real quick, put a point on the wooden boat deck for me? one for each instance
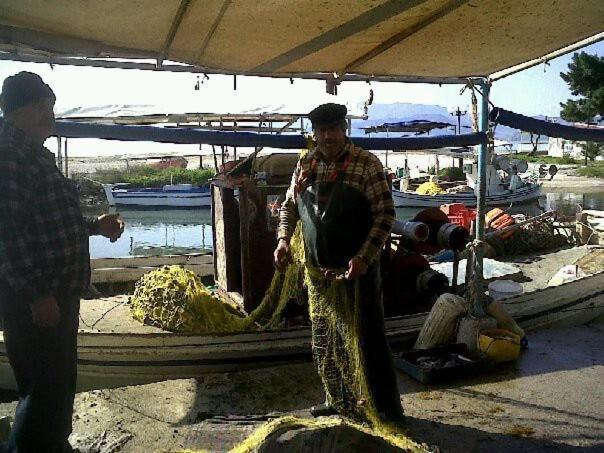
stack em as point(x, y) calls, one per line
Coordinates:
point(111, 314)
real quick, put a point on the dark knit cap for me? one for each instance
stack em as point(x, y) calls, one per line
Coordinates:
point(328, 114)
point(23, 89)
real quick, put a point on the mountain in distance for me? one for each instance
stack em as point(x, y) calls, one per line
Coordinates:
point(379, 114)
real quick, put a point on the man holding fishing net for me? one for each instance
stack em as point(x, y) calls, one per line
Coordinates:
point(341, 198)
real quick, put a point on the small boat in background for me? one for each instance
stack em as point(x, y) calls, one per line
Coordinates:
point(404, 199)
point(503, 186)
point(168, 196)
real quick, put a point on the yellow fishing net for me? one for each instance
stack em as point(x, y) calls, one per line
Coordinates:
point(429, 188)
point(173, 298)
point(284, 424)
point(285, 286)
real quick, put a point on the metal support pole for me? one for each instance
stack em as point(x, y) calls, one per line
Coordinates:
point(59, 153)
point(483, 125)
point(66, 161)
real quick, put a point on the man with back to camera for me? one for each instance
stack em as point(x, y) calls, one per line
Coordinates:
point(44, 266)
point(340, 194)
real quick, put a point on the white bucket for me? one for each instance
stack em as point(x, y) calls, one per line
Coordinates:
point(502, 289)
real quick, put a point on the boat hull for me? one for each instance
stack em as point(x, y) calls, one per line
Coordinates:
point(404, 199)
point(107, 360)
point(148, 198)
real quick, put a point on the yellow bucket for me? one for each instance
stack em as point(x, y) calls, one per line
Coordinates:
point(499, 344)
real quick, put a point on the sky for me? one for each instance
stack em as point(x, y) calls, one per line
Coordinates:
point(535, 91)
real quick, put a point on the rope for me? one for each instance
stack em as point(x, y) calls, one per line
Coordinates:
point(105, 313)
point(91, 180)
point(473, 88)
point(475, 293)
point(474, 114)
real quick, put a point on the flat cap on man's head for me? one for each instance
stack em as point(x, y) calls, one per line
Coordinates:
point(22, 89)
point(328, 114)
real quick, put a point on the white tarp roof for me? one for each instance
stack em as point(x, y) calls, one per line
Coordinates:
point(216, 105)
point(425, 38)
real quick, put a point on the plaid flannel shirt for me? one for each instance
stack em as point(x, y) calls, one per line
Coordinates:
point(366, 174)
point(43, 235)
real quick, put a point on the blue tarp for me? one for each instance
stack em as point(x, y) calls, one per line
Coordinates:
point(73, 129)
point(528, 124)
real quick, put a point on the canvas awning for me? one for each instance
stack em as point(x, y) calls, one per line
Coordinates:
point(433, 39)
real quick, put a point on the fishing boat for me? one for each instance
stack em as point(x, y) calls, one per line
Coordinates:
point(168, 196)
point(528, 192)
point(499, 190)
point(112, 359)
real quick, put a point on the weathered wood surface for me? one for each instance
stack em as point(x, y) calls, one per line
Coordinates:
point(129, 269)
point(159, 260)
point(131, 274)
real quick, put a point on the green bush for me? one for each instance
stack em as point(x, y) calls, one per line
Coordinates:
point(567, 160)
point(452, 174)
point(146, 176)
point(595, 170)
point(544, 159)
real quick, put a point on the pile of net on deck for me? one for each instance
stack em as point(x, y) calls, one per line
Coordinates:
point(538, 236)
point(429, 188)
point(173, 298)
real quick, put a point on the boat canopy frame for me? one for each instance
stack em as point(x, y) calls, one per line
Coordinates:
point(384, 41)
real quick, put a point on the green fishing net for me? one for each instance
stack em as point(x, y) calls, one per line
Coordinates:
point(260, 440)
point(334, 313)
point(173, 298)
point(535, 237)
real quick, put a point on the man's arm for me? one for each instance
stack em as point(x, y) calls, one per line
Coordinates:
point(92, 225)
point(18, 250)
point(382, 207)
point(288, 216)
point(288, 213)
point(109, 225)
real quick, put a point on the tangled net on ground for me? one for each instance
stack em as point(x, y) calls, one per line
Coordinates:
point(329, 435)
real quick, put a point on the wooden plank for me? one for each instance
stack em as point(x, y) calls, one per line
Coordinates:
point(130, 274)
point(157, 260)
point(227, 252)
point(258, 241)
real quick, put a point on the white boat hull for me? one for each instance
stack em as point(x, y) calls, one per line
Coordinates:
point(107, 360)
point(159, 199)
point(404, 199)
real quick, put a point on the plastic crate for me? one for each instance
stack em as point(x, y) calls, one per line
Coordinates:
point(459, 214)
point(408, 362)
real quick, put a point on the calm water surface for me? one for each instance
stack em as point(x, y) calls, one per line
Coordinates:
point(185, 231)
